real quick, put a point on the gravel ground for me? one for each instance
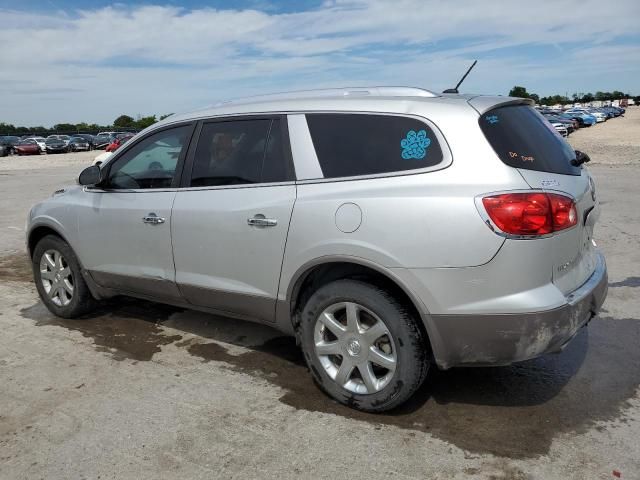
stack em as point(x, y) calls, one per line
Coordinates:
point(140, 390)
point(615, 142)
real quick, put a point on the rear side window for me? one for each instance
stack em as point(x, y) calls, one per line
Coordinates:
point(361, 144)
point(523, 138)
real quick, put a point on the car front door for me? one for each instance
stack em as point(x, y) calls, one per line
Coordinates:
point(230, 220)
point(125, 223)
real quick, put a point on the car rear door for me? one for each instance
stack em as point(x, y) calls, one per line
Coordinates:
point(125, 222)
point(231, 218)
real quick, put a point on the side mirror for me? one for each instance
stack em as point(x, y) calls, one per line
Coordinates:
point(90, 176)
point(581, 158)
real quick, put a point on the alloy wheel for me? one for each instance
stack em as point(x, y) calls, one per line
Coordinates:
point(56, 278)
point(355, 347)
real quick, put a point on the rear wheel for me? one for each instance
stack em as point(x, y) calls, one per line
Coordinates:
point(56, 272)
point(362, 346)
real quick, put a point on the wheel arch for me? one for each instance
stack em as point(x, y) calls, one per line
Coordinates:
point(321, 271)
point(40, 231)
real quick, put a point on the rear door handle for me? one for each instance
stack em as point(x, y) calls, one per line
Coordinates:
point(261, 221)
point(153, 219)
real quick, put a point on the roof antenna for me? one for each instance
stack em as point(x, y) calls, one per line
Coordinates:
point(455, 90)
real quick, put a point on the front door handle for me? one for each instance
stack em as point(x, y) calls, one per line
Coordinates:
point(260, 221)
point(153, 219)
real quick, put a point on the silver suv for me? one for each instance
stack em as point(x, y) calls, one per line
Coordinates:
point(387, 229)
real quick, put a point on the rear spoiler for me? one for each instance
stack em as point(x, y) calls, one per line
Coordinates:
point(483, 104)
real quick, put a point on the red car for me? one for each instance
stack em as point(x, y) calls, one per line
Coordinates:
point(117, 142)
point(27, 147)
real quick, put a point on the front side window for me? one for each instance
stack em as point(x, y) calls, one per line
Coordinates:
point(150, 163)
point(363, 144)
point(240, 152)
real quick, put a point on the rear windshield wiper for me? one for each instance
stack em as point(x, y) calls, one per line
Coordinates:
point(581, 158)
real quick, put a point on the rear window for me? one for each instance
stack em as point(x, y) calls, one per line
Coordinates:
point(362, 144)
point(523, 138)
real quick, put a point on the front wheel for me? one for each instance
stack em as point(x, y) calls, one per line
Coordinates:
point(56, 272)
point(363, 347)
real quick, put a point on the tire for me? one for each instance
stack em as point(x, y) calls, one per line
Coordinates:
point(54, 258)
point(397, 338)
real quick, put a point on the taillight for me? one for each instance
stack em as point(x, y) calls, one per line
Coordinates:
point(531, 214)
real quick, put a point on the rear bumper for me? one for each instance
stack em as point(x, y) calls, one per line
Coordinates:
point(502, 339)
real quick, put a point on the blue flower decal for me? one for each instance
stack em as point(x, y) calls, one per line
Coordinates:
point(492, 119)
point(415, 145)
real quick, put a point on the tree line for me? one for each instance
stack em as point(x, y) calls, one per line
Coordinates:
point(519, 91)
point(123, 123)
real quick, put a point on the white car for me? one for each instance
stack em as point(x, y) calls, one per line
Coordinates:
point(40, 141)
point(560, 128)
point(103, 157)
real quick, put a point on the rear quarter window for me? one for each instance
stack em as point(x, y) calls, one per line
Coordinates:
point(362, 144)
point(523, 138)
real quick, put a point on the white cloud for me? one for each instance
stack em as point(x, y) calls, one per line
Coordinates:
point(92, 65)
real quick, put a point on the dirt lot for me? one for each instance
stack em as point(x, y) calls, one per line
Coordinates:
point(140, 390)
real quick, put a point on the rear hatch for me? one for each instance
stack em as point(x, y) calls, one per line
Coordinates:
point(525, 140)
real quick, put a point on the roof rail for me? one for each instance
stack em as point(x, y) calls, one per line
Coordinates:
point(335, 92)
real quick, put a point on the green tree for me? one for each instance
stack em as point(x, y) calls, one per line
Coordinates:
point(518, 91)
point(124, 121)
point(144, 122)
point(162, 117)
point(587, 97)
point(7, 128)
point(64, 127)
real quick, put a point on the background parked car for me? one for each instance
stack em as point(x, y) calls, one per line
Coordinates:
point(554, 119)
point(586, 119)
point(560, 128)
point(101, 140)
point(120, 140)
point(599, 116)
point(103, 157)
point(10, 142)
point(41, 141)
point(27, 147)
point(56, 145)
point(77, 144)
point(89, 138)
point(4, 151)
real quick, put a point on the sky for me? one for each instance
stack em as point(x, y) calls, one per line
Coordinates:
point(71, 61)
